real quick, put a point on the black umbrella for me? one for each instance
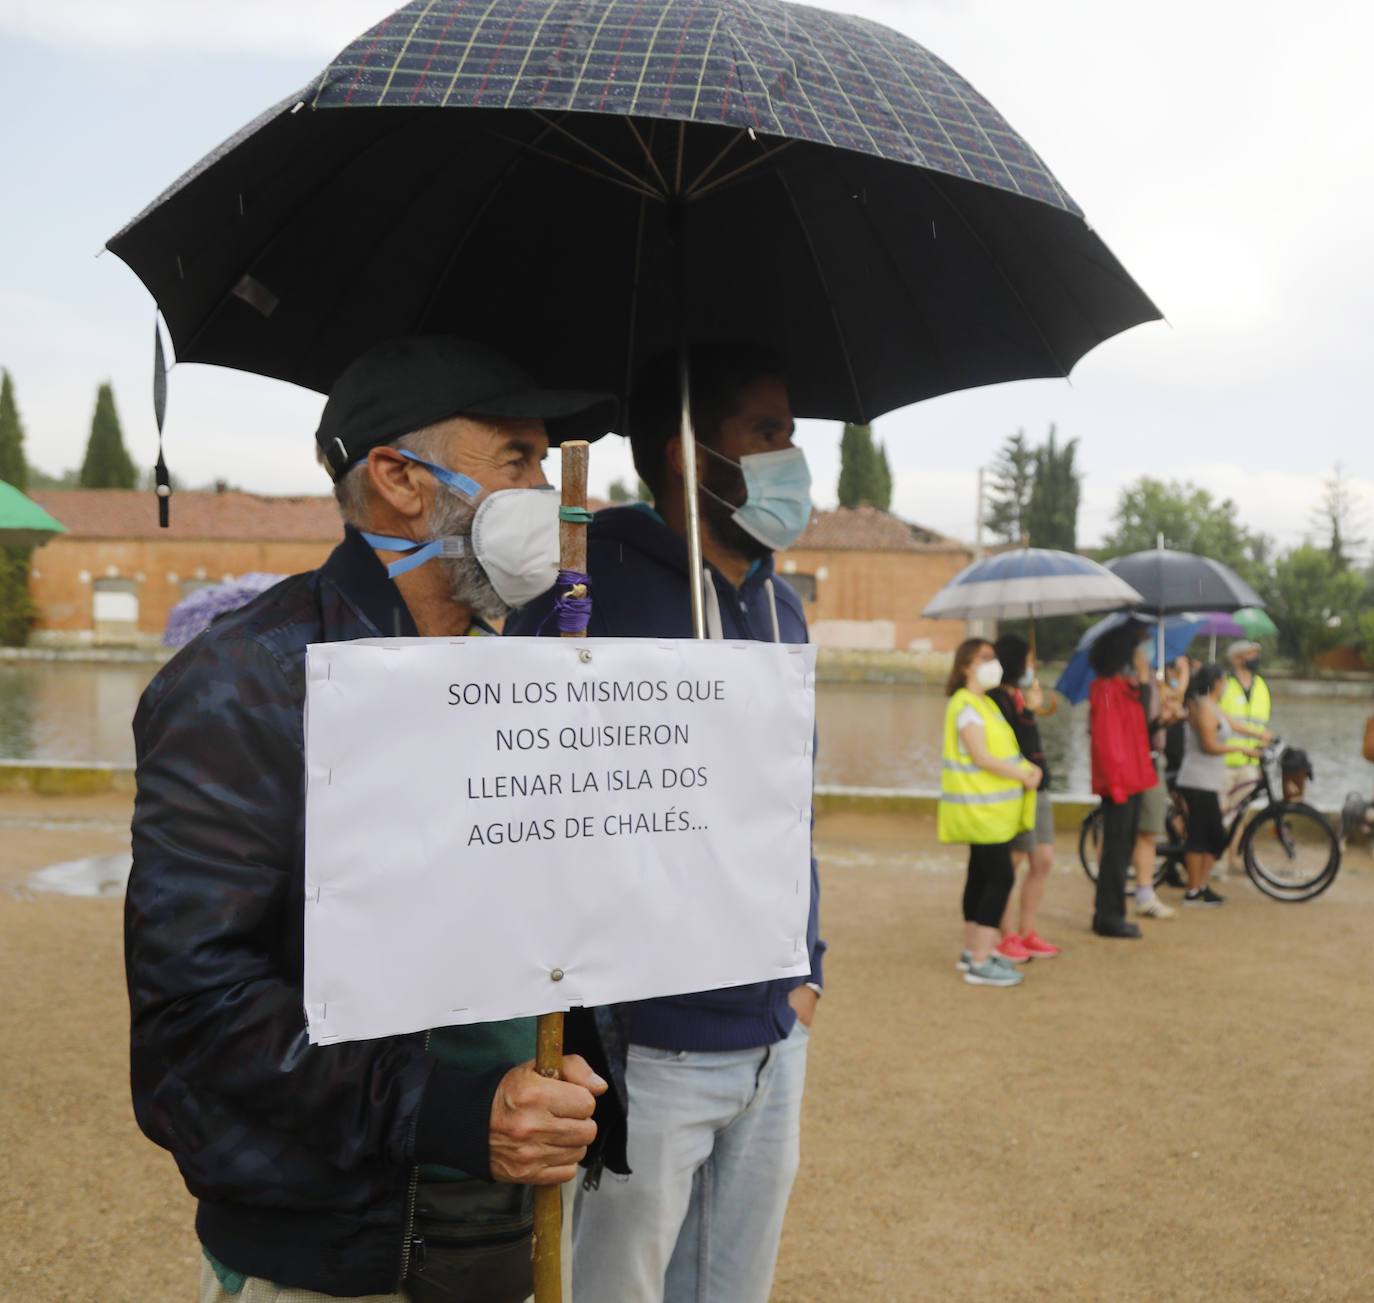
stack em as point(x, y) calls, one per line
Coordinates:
point(1172, 582)
point(1183, 581)
point(581, 183)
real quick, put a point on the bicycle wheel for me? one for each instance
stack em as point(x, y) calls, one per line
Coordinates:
point(1090, 843)
point(1291, 852)
point(1090, 850)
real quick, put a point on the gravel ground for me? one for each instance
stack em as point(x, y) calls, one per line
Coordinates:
point(1186, 1117)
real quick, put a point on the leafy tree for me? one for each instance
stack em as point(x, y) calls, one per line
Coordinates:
point(68, 479)
point(17, 609)
point(1313, 603)
point(1190, 520)
point(1051, 518)
point(107, 464)
point(1365, 629)
point(13, 468)
point(1013, 476)
point(1338, 517)
point(865, 476)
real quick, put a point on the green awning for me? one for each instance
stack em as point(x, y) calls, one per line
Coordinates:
point(23, 523)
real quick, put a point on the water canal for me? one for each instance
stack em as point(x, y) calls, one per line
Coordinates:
point(870, 735)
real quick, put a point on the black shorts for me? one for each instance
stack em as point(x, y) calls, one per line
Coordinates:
point(1206, 832)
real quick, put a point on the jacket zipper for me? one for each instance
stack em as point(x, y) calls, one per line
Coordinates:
point(408, 1241)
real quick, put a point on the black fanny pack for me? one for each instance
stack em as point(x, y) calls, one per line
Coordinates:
point(471, 1243)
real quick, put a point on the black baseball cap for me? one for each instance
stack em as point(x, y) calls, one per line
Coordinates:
point(407, 383)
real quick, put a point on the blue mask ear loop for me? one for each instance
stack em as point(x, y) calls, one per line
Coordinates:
point(418, 553)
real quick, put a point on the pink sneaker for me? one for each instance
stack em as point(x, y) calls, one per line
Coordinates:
point(1036, 945)
point(1012, 949)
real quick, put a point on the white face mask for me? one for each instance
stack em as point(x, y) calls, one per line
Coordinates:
point(988, 674)
point(514, 537)
point(515, 540)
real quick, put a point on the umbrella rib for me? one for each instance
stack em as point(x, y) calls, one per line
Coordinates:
point(829, 298)
point(648, 156)
point(641, 190)
point(698, 191)
point(633, 316)
point(711, 166)
point(634, 182)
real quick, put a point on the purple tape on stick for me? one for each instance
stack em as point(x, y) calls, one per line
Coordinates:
point(573, 613)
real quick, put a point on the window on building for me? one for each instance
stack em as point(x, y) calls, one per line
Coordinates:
point(803, 585)
point(189, 586)
point(114, 609)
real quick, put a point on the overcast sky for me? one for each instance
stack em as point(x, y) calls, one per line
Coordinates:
point(1222, 150)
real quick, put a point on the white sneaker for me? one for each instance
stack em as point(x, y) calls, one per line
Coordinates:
point(1153, 908)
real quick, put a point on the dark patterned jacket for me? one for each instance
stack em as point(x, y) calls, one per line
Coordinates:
point(301, 1155)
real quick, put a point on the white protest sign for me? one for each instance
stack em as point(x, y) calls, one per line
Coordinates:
point(499, 827)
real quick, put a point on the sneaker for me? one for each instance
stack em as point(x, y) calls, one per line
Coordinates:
point(1203, 896)
point(1012, 949)
point(993, 972)
point(965, 959)
point(1154, 908)
point(1038, 946)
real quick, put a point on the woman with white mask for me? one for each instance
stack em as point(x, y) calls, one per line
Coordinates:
point(983, 782)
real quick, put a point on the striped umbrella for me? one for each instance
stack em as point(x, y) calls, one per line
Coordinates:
point(1027, 583)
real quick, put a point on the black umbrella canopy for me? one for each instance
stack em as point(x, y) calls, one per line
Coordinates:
point(1183, 581)
point(578, 183)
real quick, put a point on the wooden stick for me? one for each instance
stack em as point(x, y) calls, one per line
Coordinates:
point(548, 1058)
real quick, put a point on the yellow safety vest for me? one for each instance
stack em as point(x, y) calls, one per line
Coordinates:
point(1254, 712)
point(976, 806)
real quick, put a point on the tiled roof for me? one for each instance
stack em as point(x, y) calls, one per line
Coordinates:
point(866, 529)
point(132, 513)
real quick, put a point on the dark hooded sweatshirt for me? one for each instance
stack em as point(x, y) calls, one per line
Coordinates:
point(638, 568)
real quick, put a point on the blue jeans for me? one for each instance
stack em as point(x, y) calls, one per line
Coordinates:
point(714, 1143)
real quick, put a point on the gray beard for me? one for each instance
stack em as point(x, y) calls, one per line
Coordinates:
point(467, 581)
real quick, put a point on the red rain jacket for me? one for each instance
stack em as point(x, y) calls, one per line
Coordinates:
point(1120, 743)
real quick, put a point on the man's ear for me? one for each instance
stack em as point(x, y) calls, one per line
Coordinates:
point(392, 480)
point(672, 455)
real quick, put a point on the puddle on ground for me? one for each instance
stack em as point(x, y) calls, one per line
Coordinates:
point(95, 875)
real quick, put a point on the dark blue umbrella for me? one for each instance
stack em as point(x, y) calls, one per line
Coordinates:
point(583, 184)
point(1179, 631)
point(1171, 581)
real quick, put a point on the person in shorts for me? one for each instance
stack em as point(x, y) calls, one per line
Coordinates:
point(1019, 698)
point(1210, 738)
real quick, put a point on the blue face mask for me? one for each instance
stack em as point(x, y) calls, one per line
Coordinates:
point(777, 503)
point(1027, 678)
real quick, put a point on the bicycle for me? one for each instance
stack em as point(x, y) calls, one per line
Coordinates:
point(1168, 845)
point(1291, 852)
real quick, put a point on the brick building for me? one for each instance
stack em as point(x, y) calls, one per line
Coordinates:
point(114, 576)
point(864, 576)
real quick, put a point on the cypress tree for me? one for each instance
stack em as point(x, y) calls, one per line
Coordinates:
point(882, 478)
point(860, 473)
point(107, 464)
point(14, 469)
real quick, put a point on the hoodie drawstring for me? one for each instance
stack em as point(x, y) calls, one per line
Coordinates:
point(714, 628)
